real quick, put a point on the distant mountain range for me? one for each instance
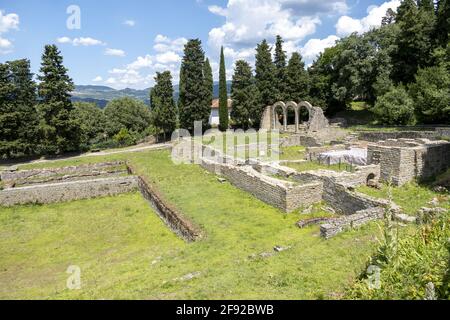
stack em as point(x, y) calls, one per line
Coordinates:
point(101, 95)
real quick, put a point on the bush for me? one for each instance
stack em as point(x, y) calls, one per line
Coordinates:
point(124, 138)
point(128, 113)
point(417, 260)
point(395, 107)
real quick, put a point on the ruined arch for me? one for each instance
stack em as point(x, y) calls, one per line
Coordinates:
point(275, 117)
point(292, 105)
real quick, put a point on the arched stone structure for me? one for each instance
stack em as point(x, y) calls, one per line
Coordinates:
point(316, 121)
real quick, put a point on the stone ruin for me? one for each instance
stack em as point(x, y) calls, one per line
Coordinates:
point(316, 130)
point(402, 160)
point(53, 185)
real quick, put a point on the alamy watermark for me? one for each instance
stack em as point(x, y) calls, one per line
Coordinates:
point(74, 280)
point(224, 147)
point(73, 22)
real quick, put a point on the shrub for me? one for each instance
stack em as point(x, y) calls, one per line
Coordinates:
point(395, 107)
point(124, 138)
point(415, 260)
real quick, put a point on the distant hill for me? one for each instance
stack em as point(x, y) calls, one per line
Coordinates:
point(101, 95)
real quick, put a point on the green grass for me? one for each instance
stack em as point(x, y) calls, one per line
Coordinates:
point(115, 241)
point(315, 165)
point(292, 153)
point(411, 197)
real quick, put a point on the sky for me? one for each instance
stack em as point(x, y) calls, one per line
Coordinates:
point(122, 44)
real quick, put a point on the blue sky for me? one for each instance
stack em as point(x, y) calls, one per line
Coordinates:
point(123, 43)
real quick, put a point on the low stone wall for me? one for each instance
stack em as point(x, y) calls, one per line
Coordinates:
point(285, 195)
point(336, 226)
point(170, 215)
point(375, 136)
point(67, 191)
point(36, 176)
point(346, 201)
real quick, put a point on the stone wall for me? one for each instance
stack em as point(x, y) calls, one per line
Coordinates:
point(336, 226)
point(172, 217)
point(285, 195)
point(404, 160)
point(375, 136)
point(346, 201)
point(82, 172)
point(67, 191)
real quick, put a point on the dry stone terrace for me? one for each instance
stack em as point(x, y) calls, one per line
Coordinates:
point(397, 160)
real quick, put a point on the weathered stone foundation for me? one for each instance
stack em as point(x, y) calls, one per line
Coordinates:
point(67, 191)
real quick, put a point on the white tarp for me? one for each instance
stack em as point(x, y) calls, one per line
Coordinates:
point(353, 156)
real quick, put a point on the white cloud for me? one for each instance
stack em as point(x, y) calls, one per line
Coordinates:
point(218, 10)
point(86, 42)
point(5, 46)
point(314, 47)
point(64, 40)
point(168, 57)
point(97, 79)
point(347, 25)
point(114, 52)
point(8, 22)
point(141, 62)
point(82, 41)
point(163, 44)
point(129, 23)
point(250, 21)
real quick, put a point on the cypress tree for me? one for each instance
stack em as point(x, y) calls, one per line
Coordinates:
point(163, 104)
point(244, 95)
point(297, 79)
point(223, 94)
point(265, 77)
point(59, 129)
point(193, 96)
point(280, 64)
point(209, 81)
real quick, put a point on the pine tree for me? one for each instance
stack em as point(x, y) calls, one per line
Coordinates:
point(280, 64)
point(223, 94)
point(163, 104)
point(297, 79)
point(59, 129)
point(193, 96)
point(7, 126)
point(244, 95)
point(18, 117)
point(24, 100)
point(265, 77)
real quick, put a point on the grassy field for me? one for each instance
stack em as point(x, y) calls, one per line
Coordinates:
point(315, 165)
point(124, 251)
point(411, 197)
point(292, 153)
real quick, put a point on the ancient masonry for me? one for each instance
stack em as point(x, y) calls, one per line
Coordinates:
point(403, 160)
point(289, 190)
point(45, 186)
